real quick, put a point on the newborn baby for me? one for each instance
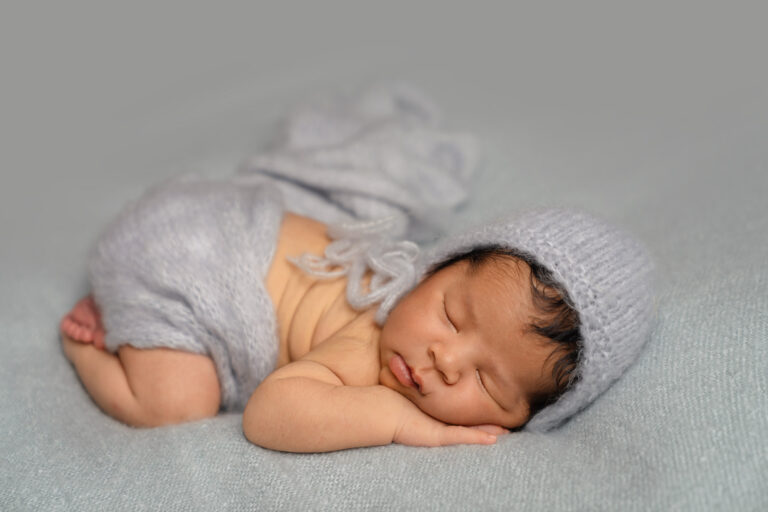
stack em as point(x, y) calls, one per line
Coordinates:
point(520, 323)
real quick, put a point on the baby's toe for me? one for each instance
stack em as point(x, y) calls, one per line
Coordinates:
point(84, 334)
point(76, 331)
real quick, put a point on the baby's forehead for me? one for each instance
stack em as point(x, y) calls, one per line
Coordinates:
point(500, 287)
point(503, 275)
point(503, 266)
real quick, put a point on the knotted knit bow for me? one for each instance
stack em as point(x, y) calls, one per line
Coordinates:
point(360, 246)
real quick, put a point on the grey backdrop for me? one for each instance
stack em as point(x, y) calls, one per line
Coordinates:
point(653, 115)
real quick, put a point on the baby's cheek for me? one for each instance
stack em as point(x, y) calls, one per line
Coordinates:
point(449, 410)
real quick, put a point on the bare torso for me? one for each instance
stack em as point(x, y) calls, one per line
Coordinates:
point(309, 310)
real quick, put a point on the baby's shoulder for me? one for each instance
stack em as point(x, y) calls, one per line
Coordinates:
point(352, 352)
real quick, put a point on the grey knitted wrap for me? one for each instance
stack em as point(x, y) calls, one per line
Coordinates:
point(608, 276)
point(183, 267)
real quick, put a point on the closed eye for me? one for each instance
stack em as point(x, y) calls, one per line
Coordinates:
point(480, 381)
point(482, 386)
point(448, 317)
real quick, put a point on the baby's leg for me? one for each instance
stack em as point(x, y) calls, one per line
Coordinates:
point(147, 387)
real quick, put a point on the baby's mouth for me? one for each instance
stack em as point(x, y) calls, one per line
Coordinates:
point(402, 372)
point(416, 380)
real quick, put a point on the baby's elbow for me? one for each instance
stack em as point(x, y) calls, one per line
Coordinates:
point(264, 417)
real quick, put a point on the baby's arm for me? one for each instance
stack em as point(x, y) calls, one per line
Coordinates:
point(305, 406)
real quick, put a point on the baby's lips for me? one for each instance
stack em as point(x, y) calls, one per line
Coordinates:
point(417, 380)
point(401, 371)
point(496, 430)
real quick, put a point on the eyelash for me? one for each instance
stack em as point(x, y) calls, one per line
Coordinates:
point(482, 384)
point(445, 312)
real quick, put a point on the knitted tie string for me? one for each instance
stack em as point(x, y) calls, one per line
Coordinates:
point(362, 246)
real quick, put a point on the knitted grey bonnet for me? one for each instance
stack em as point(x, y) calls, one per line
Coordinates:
point(606, 273)
point(608, 277)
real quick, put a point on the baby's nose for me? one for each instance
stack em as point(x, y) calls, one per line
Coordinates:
point(447, 363)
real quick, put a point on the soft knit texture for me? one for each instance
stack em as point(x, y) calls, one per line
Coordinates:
point(184, 267)
point(362, 246)
point(608, 277)
point(378, 152)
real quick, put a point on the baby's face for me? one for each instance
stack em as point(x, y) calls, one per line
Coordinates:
point(458, 346)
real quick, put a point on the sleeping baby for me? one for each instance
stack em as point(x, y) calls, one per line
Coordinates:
point(208, 296)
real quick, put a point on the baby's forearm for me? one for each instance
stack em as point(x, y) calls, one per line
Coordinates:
point(301, 414)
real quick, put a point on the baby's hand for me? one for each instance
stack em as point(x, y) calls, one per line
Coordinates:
point(417, 428)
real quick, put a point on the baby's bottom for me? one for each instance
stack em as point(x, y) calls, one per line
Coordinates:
point(140, 387)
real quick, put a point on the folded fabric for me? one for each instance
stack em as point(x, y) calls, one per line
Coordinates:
point(378, 153)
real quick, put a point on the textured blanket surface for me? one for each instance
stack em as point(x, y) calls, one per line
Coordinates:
point(652, 116)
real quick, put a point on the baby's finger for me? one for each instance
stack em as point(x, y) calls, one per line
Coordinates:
point(466, 435)
point(496, 430)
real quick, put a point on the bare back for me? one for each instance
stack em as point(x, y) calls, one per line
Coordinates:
point(309, 310)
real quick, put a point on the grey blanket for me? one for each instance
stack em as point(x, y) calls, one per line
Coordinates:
point(652, 114)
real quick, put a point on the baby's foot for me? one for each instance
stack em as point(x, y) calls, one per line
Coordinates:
point(83, 323)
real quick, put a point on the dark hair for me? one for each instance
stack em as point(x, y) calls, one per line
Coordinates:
point(558, 320)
